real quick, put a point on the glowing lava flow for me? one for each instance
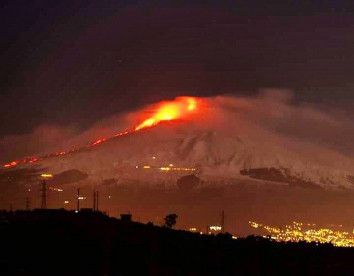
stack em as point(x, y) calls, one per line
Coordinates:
point(180, 108)
point(168, 111)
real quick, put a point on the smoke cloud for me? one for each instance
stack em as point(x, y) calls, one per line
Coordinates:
point(316, 133)
point(42, 139)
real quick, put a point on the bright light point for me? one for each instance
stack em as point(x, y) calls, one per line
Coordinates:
point(29, 190)
point(215, 228)
point(46, 175)
point(66, 202)
point(136, 167)
point(154, 157)
point(109, 197)
point(56, 189)
point(171, 165)
point(76, 211)
point(146, 167)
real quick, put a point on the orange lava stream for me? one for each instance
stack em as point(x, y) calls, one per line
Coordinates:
point(180, 108)
point(167, 111)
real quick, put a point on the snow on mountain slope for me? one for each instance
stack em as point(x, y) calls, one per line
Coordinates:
point(261, 138)
point(213, 154)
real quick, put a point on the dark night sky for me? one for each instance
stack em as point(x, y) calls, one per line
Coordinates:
point(78, 61)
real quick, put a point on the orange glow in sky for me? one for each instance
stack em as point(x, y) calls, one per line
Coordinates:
point(179, 108)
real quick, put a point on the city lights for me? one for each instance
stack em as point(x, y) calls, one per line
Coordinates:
point(176, 169)
point(170, 167)
point(215, 228)
point(298, 231)
point(55, 189)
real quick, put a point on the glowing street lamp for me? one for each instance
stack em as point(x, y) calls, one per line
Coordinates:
point(46, 175)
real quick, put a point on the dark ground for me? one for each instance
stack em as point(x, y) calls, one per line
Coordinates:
point(243, 201)
point(59, 242)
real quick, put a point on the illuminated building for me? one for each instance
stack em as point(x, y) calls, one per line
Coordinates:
point(214, 229)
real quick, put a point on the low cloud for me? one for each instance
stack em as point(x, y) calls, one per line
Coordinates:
point(42, 139)
point(318, 133)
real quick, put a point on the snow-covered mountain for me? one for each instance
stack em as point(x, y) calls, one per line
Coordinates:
point(221, 139)
point(168, 151)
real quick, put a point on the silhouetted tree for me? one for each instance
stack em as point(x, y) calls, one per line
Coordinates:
point(171, 220)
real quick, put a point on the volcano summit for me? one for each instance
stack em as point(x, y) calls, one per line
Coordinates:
point(222, 140)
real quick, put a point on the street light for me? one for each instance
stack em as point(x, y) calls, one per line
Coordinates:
point(45, 176)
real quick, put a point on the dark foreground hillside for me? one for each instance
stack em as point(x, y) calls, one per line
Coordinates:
point(58, 242)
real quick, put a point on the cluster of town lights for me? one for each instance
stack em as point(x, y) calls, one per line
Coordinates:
point(167, 168)
point(298, 231)
point(56, 189)
point(215, 228)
